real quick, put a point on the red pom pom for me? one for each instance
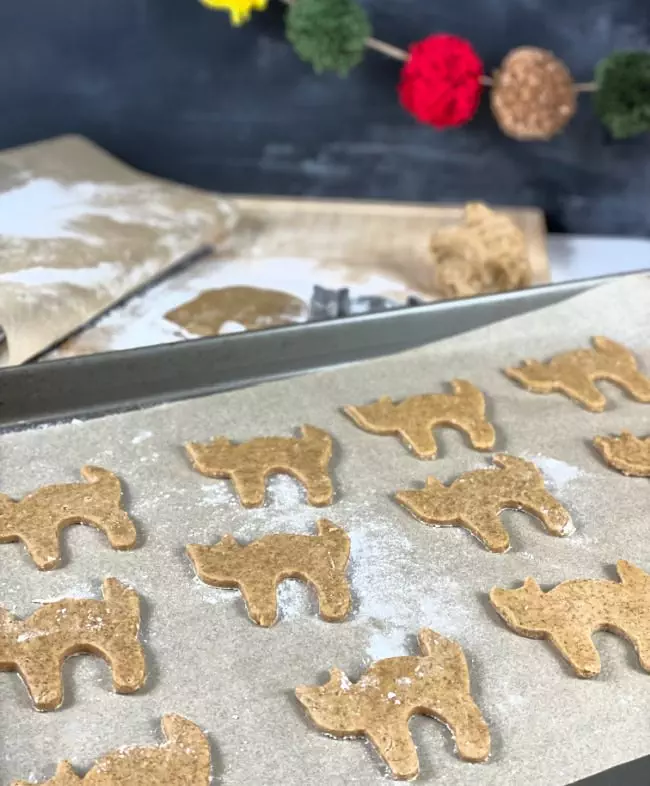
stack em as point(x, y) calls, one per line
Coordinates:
point(440, 82)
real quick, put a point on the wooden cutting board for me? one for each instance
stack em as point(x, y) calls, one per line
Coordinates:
point(387, 237)
point(288, 245)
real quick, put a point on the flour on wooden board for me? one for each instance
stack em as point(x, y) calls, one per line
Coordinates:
point(104, 275)
point(141, 322)
point(62, 208)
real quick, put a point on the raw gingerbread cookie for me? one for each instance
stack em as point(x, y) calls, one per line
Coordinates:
point(475, 500)
point(37, 646)
point(38, 518)
point(252, 307)
point(574, 373)
point(381, 703)
point(184, 760)
point(249, 463)
point(257, 569)
point(415, 418)
point(627, 453)
point(572, 611)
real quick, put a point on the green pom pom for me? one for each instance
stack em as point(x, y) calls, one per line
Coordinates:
point(329, 34)
point(623, 97)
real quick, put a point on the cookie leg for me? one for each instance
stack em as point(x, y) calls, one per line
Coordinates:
point(396, 747)
point(128, 666)
point(482, 435)
point(487, 527)
point(42, 676)
point(576, 646)
point(637, 385)
point(250, 487)
point(44, 547)
point(421, 440)
point(319, 488)
point(470, 730)
point(641, 644)
point(333, 597)
point(547, 509)
point(261, 600)
point(586, 393)
point(119, 529)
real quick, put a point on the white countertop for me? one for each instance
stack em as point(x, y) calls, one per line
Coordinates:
point(580, 256)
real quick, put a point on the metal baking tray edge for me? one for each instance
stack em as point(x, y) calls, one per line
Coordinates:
point(117, 381)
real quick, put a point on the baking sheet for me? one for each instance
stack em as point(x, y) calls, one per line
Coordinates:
point(208, 662)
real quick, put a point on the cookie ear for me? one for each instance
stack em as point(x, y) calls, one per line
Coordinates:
point(338, 675)
point(530, 585)
point(228, 542)
point(65, 776)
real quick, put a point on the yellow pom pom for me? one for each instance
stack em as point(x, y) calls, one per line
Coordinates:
point(240, 10)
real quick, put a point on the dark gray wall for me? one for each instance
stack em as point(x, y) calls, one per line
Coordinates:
point(168, 86)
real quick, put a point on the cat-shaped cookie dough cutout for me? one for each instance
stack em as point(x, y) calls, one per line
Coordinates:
point(570, 613)
point(414, 418)
point(380, 705)
point(476, 499)
point(251, 307)
point(248, 464)
point(574, 373)
point(183, 760)
point(258, 568)
point(37, 646)
point(626, 453)
point(38, 518)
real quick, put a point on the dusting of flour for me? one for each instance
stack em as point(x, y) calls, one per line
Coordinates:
point(384, 574)
point(557, 473)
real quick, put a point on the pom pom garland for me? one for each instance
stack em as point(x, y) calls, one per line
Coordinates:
point(533, 95)
point(329, 34)
point(240, 10)
point(440, 83)
point(622, 100)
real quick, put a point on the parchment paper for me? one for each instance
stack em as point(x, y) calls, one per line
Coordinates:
point(210, 663)
point(79, 230)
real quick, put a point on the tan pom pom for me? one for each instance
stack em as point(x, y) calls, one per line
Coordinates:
point(533, 96)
